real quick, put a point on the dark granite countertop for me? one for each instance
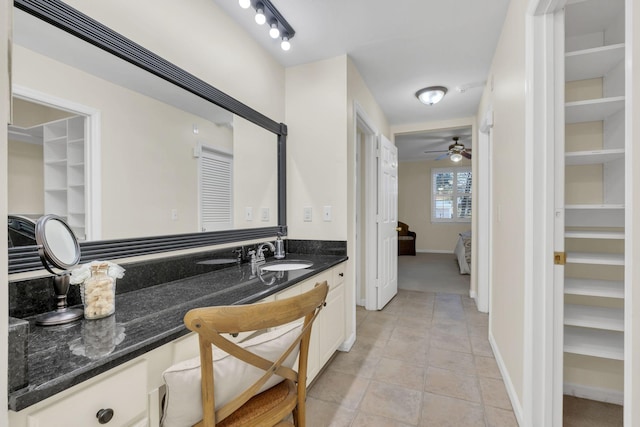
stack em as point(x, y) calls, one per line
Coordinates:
point(60, 357)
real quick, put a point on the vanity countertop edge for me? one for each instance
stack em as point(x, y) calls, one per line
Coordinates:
point(60, 357)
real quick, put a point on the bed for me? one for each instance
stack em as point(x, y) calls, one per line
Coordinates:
point(463, 252)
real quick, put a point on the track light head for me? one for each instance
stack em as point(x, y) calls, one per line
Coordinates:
point(285, 45)
point(260, 16)
point(274, 32)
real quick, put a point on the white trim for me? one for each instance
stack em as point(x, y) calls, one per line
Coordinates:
point(508, 384)
point(433, 251)
point(543, 357)
point(484, 212)
point(473, 295)
point(630, 338)
point(594, 393)
point(363, 122)
point(93, 189)
point(348, 343)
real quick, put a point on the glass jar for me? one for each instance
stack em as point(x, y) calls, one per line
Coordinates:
point(99, 293)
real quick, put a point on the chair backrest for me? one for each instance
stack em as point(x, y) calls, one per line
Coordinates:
point(404, 228)
point(211, 322)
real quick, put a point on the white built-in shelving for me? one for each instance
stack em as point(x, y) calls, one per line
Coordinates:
point(594, 287)
point(64, 171)
point(594, 233)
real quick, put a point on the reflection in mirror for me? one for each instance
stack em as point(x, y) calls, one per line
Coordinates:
point(137, 154)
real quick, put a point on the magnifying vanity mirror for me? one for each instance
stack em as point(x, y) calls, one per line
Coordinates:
point(126, 141)
point(58, 249)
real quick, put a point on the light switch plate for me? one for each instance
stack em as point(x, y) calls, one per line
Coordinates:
point(264, 214)
point(326, 213)
point(248, 213)
point(307, 214)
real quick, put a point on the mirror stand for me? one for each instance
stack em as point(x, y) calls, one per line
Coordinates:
point(62, 314)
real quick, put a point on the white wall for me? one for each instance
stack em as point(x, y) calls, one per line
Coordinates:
point(505, 91)
point(317, 148)
point(25, 176)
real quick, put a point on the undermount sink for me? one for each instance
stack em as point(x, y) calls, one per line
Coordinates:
point(287, 265)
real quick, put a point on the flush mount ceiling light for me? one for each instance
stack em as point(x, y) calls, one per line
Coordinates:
point(278, 26)
point(431, 95)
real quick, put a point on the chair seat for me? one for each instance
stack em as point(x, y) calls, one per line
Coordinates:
point(256, 411)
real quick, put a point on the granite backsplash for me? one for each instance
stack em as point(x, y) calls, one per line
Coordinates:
point(35, 296)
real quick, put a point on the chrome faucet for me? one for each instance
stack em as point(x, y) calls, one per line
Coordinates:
point(260, 252)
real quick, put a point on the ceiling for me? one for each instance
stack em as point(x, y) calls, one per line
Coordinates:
point(398, 47)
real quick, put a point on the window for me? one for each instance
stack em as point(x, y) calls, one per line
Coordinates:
point(216, 190)
point(451, 195)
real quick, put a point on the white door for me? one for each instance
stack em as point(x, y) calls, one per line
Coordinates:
point(387, 222)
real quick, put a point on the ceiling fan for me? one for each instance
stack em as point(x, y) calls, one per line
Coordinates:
point(456, 151)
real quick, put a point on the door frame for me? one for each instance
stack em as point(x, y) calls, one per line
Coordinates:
point(368, 212)
point(485, 213)
point(93, 172)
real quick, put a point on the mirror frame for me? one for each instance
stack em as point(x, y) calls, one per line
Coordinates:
point(74, 22)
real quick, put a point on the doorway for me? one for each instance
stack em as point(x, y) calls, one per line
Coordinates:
point(53, 161)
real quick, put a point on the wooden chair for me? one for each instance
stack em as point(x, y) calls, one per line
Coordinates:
point(406, 240)
point(272, 406)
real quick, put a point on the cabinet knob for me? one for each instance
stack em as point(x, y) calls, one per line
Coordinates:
point(341, 274)
point(104, 415)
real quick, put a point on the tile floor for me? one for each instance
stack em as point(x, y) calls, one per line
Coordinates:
point(422, 361)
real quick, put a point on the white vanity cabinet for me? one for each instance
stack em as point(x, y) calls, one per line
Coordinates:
point(119, 396)
point(134, 390)
point(328, 331)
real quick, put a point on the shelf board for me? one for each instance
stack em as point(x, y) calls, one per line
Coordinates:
point(76, 141)
point(592, 110)
point(586, 234)
point(76, 185)
point(586, 316)
point(594, 288)
point(592, 63)
point(593, 157)
point(56, 190)
point(594, 342)
point(59, 162)
point(594, 258)
point(615, 206)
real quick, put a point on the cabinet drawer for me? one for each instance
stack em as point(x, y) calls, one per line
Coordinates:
point(339, 272)
point(125, 392)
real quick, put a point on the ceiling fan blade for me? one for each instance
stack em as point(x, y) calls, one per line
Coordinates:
point(442, 156)
point(465, 154)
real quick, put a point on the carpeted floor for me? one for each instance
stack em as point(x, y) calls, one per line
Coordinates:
point(428, 272)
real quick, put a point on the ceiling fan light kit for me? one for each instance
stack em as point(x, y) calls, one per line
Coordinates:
point(431, 95)
point(455, 152)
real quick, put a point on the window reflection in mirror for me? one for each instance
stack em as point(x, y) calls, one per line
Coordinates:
point(143, 178)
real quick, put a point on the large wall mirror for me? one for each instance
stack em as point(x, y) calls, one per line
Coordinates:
point(135, 153)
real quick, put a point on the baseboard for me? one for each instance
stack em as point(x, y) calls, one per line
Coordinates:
point(361, 303)
point(511, 391)
point(594, 393)
point(430, 251)
point(473, 294)
point(348, 343)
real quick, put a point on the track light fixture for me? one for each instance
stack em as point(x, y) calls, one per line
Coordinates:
point(278, 26)
point(285, 45)
point(260, 17)
point(274, 32)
